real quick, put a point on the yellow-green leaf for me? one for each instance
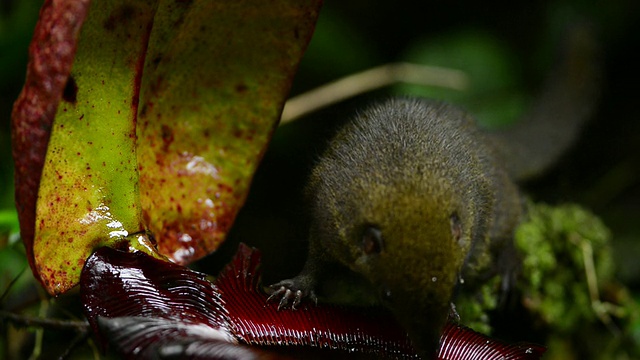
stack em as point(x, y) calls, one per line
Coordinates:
point(88, 194)
point(216, 77)
point(165, 115)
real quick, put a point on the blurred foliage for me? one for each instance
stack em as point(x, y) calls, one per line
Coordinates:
point(557, 243)
point(568, 284)
point(17, 286)
point(17, 19)
point(495, 94)
point(515, 39)
point(475, 311)
point(337, 49)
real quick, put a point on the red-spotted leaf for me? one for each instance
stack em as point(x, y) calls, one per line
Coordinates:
point(147, 124)
point(216, 77)
point(51, 55)
point(88, 195)
point(147, 308)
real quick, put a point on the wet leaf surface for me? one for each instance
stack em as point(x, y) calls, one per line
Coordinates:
point(51, 54)
point(88, 194)
point(144, 307)
point(254, 321)
point(159, 125)
point(216, 77)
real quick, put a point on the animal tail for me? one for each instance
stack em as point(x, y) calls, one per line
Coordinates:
point(568, 99)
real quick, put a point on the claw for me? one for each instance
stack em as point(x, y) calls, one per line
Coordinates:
point(289, 294)
point(284, 301)
point(297, 299)
point(277, 293)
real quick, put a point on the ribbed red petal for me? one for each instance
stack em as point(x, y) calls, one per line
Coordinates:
point(147, 308)
point(254, 321)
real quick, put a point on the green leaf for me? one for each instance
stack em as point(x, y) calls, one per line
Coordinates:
point(88, 195)
point(164, 117)
point(216, 77)
point(51, 56)
point(9, 221)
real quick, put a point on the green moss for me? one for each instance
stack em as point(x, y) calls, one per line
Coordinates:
point(567, 285)
point(558, 245)
point(567, 282)
point(474, 310)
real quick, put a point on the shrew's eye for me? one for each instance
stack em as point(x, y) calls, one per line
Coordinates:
point(372, 240)
point(456, 226)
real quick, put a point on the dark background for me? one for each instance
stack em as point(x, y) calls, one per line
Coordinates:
point(602, 171)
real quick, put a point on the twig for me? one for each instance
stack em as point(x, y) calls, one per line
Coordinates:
point(12, 283)
point(599, 307)
point(37, 346)
point(58, 324)
point(79, 339)
point(368, 80)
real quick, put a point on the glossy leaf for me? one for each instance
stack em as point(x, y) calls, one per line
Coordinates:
point(145, 307)
point(255, 321)
point(88, 194)
point(51, 55)
point(153, 338)
point(216, 77)
point(163, 120)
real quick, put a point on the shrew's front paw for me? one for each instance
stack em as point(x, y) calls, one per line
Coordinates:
point(291, 292)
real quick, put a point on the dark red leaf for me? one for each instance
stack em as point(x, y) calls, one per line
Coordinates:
point(151, 337)
point(145, 308)
point(254, 321)
point(459, 342)
point(118, 284)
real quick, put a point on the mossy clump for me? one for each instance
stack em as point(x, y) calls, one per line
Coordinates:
point(474, 311)
point(567, 282)
point(566, 258)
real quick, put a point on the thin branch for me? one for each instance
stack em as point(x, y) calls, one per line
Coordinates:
point(369, 80)
point(77, 341)
point(58, 324)
point(37, 346)
point(12, 283)
point(601, 309)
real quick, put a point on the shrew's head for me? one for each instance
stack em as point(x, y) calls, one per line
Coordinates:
point(409, 241)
